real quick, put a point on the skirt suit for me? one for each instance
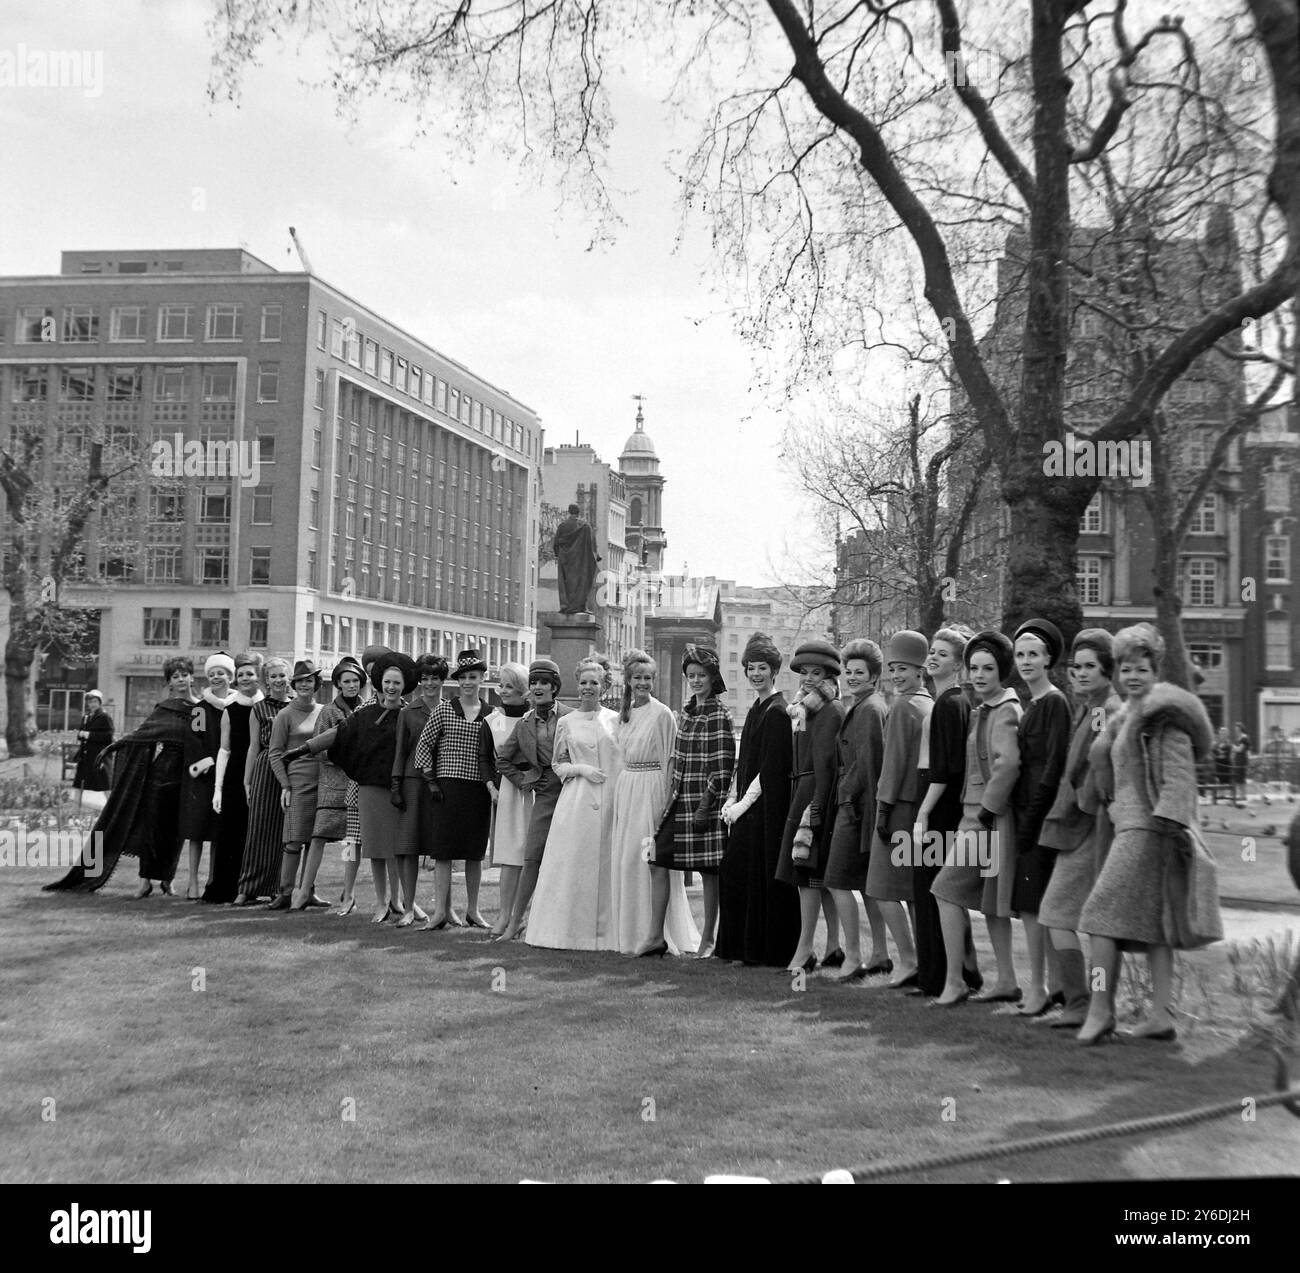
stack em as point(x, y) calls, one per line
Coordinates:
point(461, 755)
point(813, 786)
point(263, 845)
point(294, 727)
point(861, 750)
point(992, 766)
point(513, 807)
point(900, 789)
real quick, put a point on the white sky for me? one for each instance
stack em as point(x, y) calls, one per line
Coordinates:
point(484, 267)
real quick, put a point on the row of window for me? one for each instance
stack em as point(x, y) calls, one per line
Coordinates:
point(129, 324)
point(217, 383)
point(1202, 583)
point(1207, 520)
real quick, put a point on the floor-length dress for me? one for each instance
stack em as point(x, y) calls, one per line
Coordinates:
point(513, 807)
point(260, 874)
point(572, 907)
point(228, 851)
point(646, 742)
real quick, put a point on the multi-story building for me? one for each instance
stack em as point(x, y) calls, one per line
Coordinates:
point(355, 485)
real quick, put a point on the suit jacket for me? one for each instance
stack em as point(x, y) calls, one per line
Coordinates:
point(517, 759)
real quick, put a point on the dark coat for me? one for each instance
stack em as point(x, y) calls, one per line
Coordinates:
point(98, 726)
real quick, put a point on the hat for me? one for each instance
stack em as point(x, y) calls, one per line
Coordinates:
point(402, 662)
point(346, 664)
point(469, 661)
point(816, 654)
point(760, 649)
point(431, 665)
point(93, 694)
point(907, 647)
point(372, 652)
point(219, 659)
point(707, 657)
point(305, 667)
point(993, 642)
point(544, 670)
point(1048, 633)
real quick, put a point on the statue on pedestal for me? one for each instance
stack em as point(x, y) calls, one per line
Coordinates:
point(575, 559)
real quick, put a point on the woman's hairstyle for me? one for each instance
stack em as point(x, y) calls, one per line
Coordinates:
point(954, 638)
point(275, 661)
point(431, 665)
point(1101, 643)
point(1140, 641)
point(513, 676)
point(601, 664)
point(632, 660)
point(867, 651)
point(179, 664)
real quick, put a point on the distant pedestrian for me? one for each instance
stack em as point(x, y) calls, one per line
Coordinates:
point(93, 734)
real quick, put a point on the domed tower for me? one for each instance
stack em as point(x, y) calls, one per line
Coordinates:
point(639, 466)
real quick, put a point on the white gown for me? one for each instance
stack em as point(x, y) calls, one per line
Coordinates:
point(646, 741)
point(572, 907)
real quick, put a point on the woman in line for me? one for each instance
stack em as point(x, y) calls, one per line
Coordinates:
point(944, 746)
point(645, 733)
point(1149, 753)
point(861, 749)
point(980, 868)
point(93, 734)
point(759, 921)
point(230, 798)
point(510, 818)
point(817, 715)
point(456, 755)
point(259, 875)
point(903, 784)
point(573, 903)
point(363, 746)
point(1240, 763)
point(407, 789)
point(334, 811)
point(1044, 740)
point(199, 822)
point(690, 836)
point(299, 778)
point(1077, 826)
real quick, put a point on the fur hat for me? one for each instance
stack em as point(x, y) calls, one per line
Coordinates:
point(402, 662)
point(469, 661)
point(993, 642)
point(1048, 633)
point(761, 649)
point(219, 659)
point(544, 670)
point(347, 664)
point(706, 657)
point(907, 647)
point(816, 654)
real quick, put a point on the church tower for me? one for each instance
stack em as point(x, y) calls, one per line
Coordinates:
point(639, 466)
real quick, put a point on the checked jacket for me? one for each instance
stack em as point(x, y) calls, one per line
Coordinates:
point(704, 756)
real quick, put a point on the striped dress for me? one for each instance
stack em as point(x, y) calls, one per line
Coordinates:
point(260, 874)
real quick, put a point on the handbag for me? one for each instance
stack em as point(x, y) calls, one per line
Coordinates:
point(664, 834)
point(1191, 892)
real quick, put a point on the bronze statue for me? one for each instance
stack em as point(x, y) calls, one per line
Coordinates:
point(575, 560)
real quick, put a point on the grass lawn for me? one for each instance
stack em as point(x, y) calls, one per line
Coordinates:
point(464, 1061)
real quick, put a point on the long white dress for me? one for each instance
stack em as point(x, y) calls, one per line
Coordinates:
point(510, 817)
point(572, 907)
point(646, 741)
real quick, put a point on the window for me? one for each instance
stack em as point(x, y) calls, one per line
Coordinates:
point(210, 629)
point(399, 378)
point(30, 384)
point(313, 509)
point(80, 323)
point(173, 267)
point(218, 384)
point(311, 569)
point(322, 326)
point(1202, 585)
point(131, 267)
point(1277, 642)
point(214, 505)
point(442, 396)
point(428, 388)
point(126, 322)
point(268, 382)
point(76, 384)
point(125, 384)
point(1277, 492)
point(309, 630)
point(272, 317)
point(262, 505)
point(1091, 523)
point(259, 629)
point(345, 634)
point(337, 338)
point(34, 324)
point(162, 626)
point(176, 322)
point(372, 357)
point(171, 384)
point(354, 339)
point(214, 568)
point(266, 447)
point(453, 403)
point(259, 567)
point(166, 504)
point(386, 366)
point(1088, 580)
point(1205, 521)
point(225, 322)
point(327, 633)
point(1277, 559)
point(318, 396)
point(163, 565)
point(1207, 655)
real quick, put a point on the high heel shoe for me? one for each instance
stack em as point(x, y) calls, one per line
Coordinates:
point(1162, 1034)
point(346, 908)
point(1105, 1035)
point(881, 965)
point(406, 921)
point(808, 965)
point(282, 902)
point(146, 887)
point(973, 978)
point(660, 950)
point(165, 887)
point(860, 973)
point(835, 959)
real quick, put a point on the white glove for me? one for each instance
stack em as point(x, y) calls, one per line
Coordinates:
point(200, 767)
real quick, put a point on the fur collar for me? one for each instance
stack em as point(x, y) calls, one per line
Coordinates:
point(244, 701)
point(219, 703)
point(1167, 705)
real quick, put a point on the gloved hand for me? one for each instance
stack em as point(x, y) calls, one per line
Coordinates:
point(814, 816)
point(216, 801)
point(395, 797)
point(987, 818)
point(200, 767)
point(729, 814)
point(435, 791)
point(295, 753)
point(882, 821)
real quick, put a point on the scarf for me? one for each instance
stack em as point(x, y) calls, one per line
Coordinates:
point(219, 703)
point(244, 701)
point(1085, 732)
point(809, 702)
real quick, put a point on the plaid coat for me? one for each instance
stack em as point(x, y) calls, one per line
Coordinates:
point(703, 757)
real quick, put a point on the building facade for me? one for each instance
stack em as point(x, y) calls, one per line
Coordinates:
point(311, 478)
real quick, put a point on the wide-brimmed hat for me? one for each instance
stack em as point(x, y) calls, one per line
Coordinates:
point(402, 662)
point(219, 659)
point(1048, 633)
point(907, 647)
point(346, 664)
point(993, 642)
point(545, 670)
point(305, 667)
point(816, 654)
point(469, 661)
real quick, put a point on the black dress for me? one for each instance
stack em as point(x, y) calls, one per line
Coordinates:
point(228, 851)
point(98, 725)
point(199, 821)
point(1044, 733)
point(758, 915)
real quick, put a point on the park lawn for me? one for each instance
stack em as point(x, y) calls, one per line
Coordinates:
point(468, 1061)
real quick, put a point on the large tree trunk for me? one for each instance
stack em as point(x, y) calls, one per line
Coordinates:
point(20, 720)
point(1040, 557)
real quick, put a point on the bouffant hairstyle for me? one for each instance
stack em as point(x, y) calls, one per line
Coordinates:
point(179, 664)
point(1101, 643)
point(868, 651)
point(955, 639)
point(431, 665)
point(632, 660)
point(1139, 641)
point(601, 665)
point(274, 661)
point(513, 676)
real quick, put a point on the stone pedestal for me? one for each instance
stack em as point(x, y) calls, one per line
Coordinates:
point(573, 637)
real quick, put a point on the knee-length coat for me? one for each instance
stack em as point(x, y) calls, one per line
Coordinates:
point(704, 756)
